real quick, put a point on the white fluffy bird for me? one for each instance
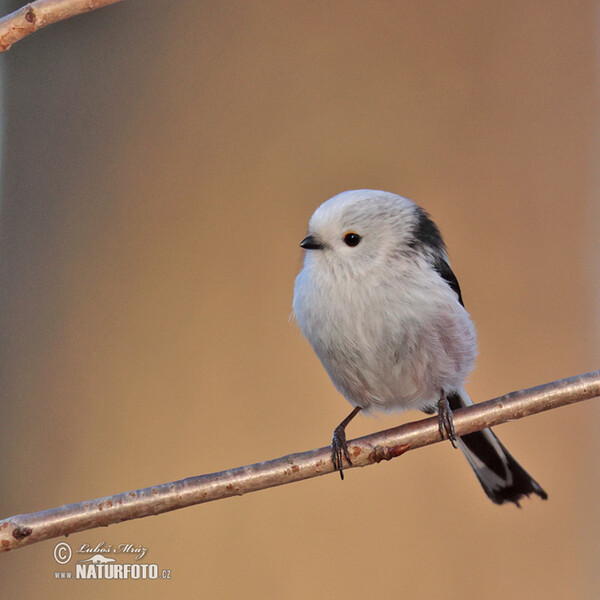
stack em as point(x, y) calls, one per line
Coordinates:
point(378, 302)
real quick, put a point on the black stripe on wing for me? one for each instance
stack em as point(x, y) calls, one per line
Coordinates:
point(443, 268)
point(426, 233)
point(427, 236)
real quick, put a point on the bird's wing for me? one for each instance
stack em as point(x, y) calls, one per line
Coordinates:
point(443, 268)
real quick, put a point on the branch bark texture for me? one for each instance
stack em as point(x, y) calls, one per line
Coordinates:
point(21, 530)
point(35, 15)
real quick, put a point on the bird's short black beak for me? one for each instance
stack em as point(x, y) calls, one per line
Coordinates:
point(310, 242)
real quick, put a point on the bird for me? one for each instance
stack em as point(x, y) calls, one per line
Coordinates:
point(378, 302)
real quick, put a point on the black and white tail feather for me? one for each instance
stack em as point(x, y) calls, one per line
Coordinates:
point(501, 476)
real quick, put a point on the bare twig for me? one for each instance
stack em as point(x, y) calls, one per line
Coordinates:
point(21, 530)
point(38, 14)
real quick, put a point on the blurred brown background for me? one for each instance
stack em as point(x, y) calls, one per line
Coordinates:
point(160, 163)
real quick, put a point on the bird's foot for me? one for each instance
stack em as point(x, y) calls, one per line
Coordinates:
point(445, 421)
point(339, 449)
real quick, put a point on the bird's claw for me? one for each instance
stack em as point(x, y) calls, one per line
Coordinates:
point(339, 450)
point(445, 421)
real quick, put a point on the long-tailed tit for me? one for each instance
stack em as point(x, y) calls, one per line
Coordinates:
point(378, 302)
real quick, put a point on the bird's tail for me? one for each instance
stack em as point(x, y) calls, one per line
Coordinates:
point(501, 476)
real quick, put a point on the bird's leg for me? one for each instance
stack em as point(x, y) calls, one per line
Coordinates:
point(445, 422)
point(339, 447)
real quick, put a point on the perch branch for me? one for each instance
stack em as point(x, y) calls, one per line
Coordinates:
point(21, 530)
point(35, 15)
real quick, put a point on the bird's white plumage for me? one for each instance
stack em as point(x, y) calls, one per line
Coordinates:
point(390, 332)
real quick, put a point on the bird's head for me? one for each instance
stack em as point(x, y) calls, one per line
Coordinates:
point(363, 231)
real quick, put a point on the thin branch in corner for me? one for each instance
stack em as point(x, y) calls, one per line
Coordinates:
point(22, 530)
point(35, 15)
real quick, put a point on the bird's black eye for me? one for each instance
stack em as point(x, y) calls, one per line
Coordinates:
point(352, 239)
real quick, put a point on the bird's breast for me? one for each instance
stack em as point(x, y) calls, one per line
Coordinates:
point(386, 344)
